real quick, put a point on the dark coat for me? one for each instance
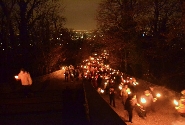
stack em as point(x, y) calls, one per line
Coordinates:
point(130, 103)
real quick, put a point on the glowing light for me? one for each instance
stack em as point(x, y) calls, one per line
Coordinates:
point(176, 102)
point(135, 83)
point(16, 77)
point(143, 100)
point(102, 91)
point(128, 91)
point(120, 87)
point(158, 95)
point(106, 77)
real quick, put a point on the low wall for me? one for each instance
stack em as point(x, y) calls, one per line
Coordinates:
point(98, 111)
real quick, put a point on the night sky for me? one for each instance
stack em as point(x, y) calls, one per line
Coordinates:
point(80, 14)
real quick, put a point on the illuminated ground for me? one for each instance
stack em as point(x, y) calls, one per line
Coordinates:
point(165, 112)
point(50, 105)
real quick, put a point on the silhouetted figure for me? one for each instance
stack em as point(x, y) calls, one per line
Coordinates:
point(130, 103)
point(26, 81)
point(99, 80)
point(124, 93)
point(77, 75)
point(149, 100)
point(66, 75)
point(72, 72)
point(112, 96)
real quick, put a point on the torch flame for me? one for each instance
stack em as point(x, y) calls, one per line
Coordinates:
point(120, 87)
point(16, 77)
point(143, 100)
point(128, 91)
point(176, 102)
point(158, 95)
point(135, 83)
point(102, 91)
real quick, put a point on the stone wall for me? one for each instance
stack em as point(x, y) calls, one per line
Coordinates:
point(98, 111)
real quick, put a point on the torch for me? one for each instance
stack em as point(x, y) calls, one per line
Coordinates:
point(158, 95)
point(105, 85)
point(120, 87)
point(176, 103)
point(135, 83)
point(128, 91)
point(16, 77)
point(102, 91)
point(143, 100)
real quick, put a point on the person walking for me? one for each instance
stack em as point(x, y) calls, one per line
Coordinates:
point(66, 75)
point(147, 106)
point(153, 93)
point(99, 81)
point(130, 103)
point(26, 81)
point(112, 96)
point(181, 104)
point(124, 93)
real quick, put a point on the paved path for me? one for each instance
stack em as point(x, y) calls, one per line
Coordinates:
point(50, 104)
point(55, 102)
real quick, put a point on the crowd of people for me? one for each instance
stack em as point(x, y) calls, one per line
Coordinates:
point(71, 73)
point(113, 82)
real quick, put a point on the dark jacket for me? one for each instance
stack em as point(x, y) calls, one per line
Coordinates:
point(130, 103)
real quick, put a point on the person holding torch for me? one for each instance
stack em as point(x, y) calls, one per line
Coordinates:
point(155, 96)
point(180, 105)
point(130, 104)
point(147, 100)
point(26, 81)
point(124, 93)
